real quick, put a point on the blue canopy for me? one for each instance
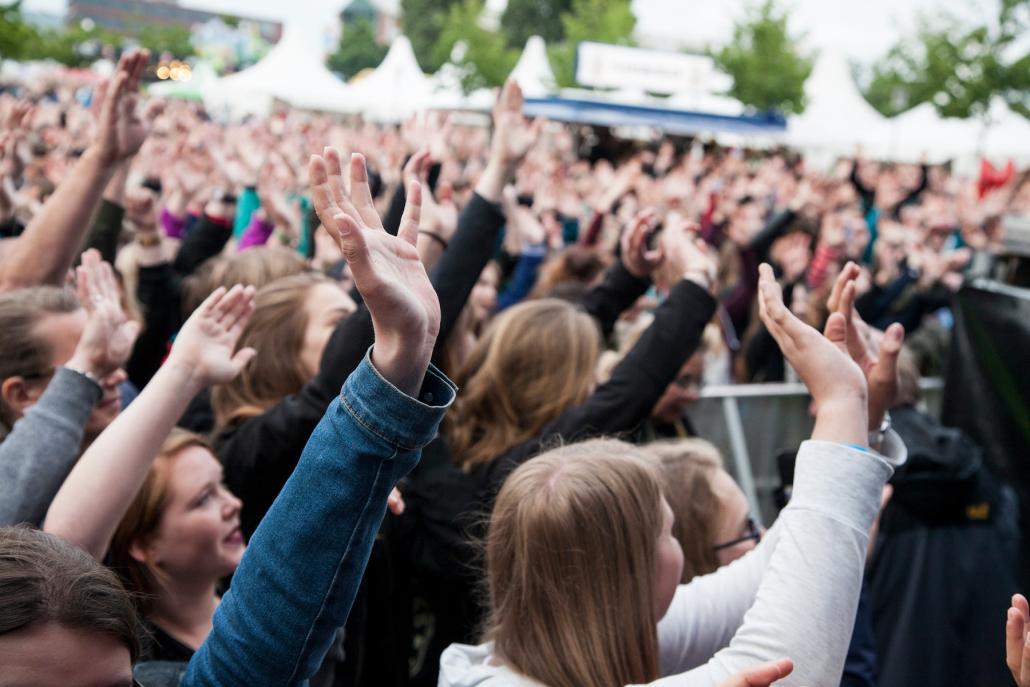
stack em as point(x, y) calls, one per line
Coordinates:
point(678, 122)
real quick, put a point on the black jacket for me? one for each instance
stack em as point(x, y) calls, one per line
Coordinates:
point(447, 507)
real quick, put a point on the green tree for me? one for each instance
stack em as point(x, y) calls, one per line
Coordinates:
point(483, 55)
point(525, 18)
point(16, 36)
point(601, 21)
point(358, 48)
point(158, 39)
point(767, 66)
point(957, 68)
point(423, 22)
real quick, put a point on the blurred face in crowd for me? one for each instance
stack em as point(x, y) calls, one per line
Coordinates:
point(669, 562)
point(746, 223)
point(60, 333)
point(326, 305)
point(683, 391)
point(484, 295)
point(734, 523)
point(52, 655)
point(199, 534)
point(890, 245)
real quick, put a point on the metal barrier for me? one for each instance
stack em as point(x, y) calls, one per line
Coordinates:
point(752, 423)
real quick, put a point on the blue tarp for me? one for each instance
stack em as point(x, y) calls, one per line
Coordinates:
point(672, 121)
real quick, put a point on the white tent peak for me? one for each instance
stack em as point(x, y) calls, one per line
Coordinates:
point(292, 72)
point(396, 88)
point(533, 70)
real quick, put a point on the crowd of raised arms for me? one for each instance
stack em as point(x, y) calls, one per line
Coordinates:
point(226, 353)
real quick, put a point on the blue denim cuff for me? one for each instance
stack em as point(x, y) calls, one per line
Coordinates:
point(389, 413)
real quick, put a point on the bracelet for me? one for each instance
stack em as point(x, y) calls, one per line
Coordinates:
point(148, 240)
point(700, 278)
point(436, 237)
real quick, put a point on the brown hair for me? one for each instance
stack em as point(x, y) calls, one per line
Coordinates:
point(276, 331)
point(909, 392)
point(22, 352)
point(576, 264)
point(688, 466)
point(140, 523)
point(535, 361)
point(255, 267)
point(571, 556)
point(44, 579)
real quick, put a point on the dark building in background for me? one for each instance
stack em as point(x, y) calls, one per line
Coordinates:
point(122, 15)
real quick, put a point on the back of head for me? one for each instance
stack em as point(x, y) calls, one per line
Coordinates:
point(255, 267)
point(535, 361)
point(576, 264)
point(688, 466)
point(571, 556)
point(276, 332)
point(22, 353)
point(44, 579)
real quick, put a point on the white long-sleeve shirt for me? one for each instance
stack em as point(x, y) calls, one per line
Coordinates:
point(807, 572)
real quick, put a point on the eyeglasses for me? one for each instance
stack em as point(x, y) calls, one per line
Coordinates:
point(754, 533)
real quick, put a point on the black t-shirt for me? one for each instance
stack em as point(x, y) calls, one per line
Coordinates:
point(158, 645)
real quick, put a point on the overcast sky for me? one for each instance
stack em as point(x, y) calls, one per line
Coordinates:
point(863, 29)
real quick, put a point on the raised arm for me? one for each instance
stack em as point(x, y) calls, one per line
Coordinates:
point(43, 445)
point(805, 607)
point(90, 504)
point(50, 244)
point(298, 578)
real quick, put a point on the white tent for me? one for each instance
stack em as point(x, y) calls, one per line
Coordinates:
point(293, 72)
point(837, 117)
point(448, 94)
point(396, 89)
point(1007, 134)
point(922, 133)
point(533, 70)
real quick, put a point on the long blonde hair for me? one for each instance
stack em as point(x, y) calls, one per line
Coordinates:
point(276, 332)
point(535, 361)
point(571, 556)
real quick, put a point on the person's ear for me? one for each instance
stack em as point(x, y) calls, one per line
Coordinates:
point(17, 395)
point(142, 554)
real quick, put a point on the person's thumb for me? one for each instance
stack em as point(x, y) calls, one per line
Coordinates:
point(761, 676)
point(886, 369)
point(242, 358)
point(836, 331)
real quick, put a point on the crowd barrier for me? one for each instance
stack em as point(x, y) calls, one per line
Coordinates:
point(752, 423)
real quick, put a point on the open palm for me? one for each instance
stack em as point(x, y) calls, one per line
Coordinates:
point(206, 343)
point(387, 270)
point(121, 131)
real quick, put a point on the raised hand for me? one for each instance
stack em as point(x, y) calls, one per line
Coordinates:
point(836, 382)
point(875, 353)
point(1017, 640)
point(761, 676)
point(387, 270)
point(688, 256)
point(513, 135)
point(205, 346)
point(107, 340)
point(637, 257)
point(121, 131)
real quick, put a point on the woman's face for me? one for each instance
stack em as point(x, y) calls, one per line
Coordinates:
point(61, 333)
point(733, 521)
point(199, 535)
point(484, 295)
point(670, 564)
point(52, 655)
point(326, 305)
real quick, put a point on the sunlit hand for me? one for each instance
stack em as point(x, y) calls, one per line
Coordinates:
point(387, 270)
point(206, 344)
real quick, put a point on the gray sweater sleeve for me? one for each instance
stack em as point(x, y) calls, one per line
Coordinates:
point(805, 606)
point(43, 446)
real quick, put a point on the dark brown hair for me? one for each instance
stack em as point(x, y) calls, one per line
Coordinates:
point(22, 353)
point(44, 579)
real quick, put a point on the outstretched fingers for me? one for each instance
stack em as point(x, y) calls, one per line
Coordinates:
point(412, 216)
point(354, 246)
point(360, 194)
point(322, 197)
point(334, 170)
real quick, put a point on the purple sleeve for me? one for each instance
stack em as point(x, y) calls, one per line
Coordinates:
point(257, 233)
point(173, 226)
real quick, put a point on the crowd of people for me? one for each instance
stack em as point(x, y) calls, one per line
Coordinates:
point(232, 453)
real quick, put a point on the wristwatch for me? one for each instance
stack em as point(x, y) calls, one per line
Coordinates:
point(876, 436)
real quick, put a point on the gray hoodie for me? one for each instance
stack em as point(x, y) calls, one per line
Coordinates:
point(793, 596)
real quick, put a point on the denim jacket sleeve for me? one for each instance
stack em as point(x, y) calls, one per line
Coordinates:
point(298, 578)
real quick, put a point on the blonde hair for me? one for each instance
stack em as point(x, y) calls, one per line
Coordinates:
point(140, 523)
point(535, 361)
point(571, 556)
point(688, 467)
point(255, 267)
point(276, 331)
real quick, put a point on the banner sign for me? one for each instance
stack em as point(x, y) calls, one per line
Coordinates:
point(616, 66)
